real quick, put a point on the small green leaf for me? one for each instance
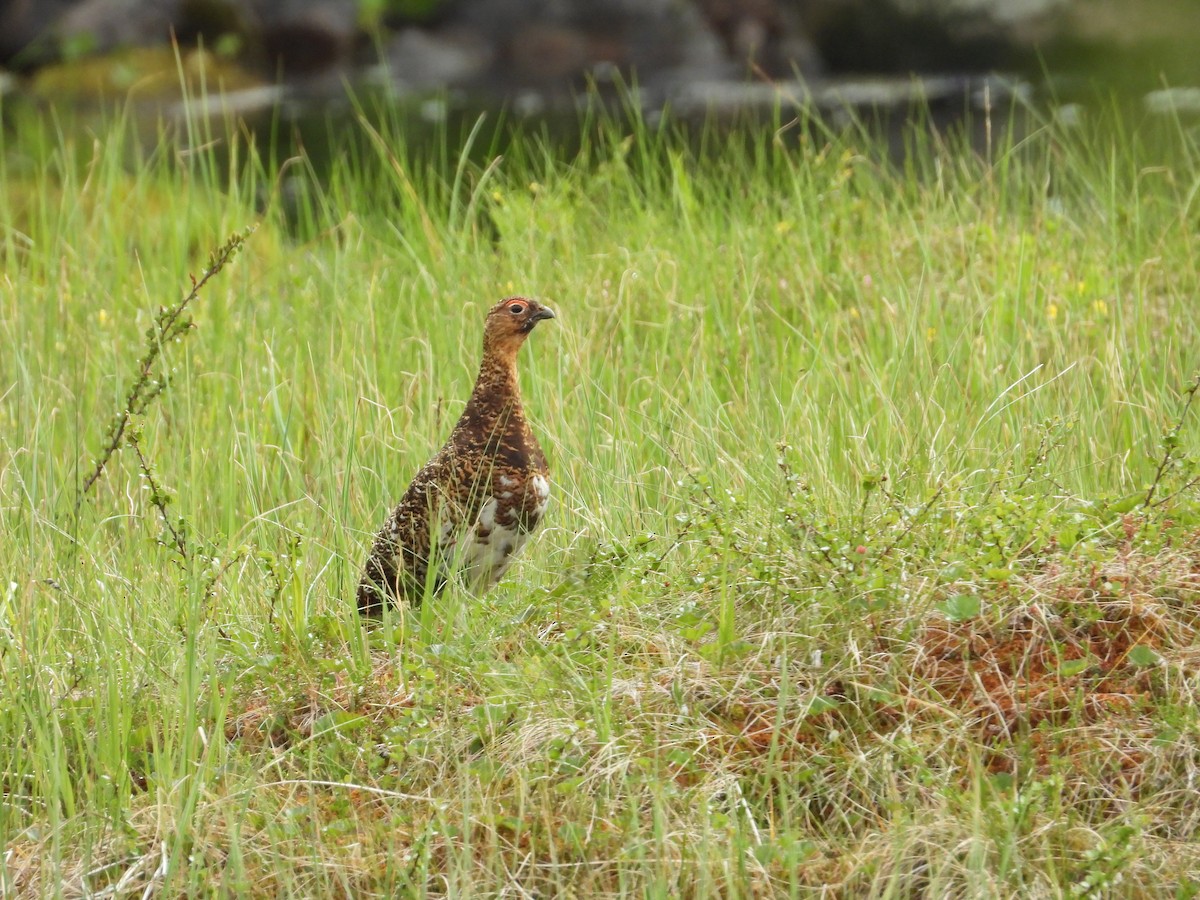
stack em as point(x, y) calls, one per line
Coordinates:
point(737, 648)
point(569, 785)
point(1003, 781)
point(1142, 656)
point(1168, 736)
point(819, 705)
point(679, 757)
point(492, 718)
point(341, 720)
point(1068, 668)
point(784, 850)
point(1128, 503)
point(880, 696)
point(960, 607)
point(1068, 536)
point(952, 572)
point(573, 834)
point(695, 632)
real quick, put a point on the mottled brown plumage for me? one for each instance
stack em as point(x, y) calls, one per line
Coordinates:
point(473, 506)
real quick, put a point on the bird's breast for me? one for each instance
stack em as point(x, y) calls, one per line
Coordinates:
point(506, 520)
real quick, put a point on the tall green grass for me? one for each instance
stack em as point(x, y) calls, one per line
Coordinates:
point(804, 401)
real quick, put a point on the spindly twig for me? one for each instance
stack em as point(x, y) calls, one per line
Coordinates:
point(1171, 439)
point(171, 322)
point(912, 523)
point(159, 498)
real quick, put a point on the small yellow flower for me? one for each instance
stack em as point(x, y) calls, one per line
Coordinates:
point(497, 196)
point(1080, 287)
point(1052, 311)
point(854, 312)
point(509, 286)
point(930, 333)
point(1099, 307)
point(783, 227)
point(102, 316)
point(534, 187)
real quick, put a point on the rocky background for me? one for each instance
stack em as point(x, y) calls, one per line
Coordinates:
point(535, 48)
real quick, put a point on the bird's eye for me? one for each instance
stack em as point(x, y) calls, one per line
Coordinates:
point(516, 309)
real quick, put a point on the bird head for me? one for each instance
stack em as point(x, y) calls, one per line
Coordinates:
point(509, 323)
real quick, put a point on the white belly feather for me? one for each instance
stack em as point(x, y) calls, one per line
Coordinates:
point(492, 544)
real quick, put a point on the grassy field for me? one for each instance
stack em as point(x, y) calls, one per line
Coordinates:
point(869, 571)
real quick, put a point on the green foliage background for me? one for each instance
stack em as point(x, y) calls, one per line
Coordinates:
point(803, 402)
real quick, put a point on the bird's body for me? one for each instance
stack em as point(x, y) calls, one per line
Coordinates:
point(475, 503)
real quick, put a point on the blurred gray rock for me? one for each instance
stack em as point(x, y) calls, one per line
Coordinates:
point(301, 35)
point(419, 59)
point(920, 35)
point(1173, 101)
point(1021, 20)
point(541, 41)
point(558, 45)
point(103, 25)
point(766, 35)
point(22, 23)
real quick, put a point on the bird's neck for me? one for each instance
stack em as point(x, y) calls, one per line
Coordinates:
point(497, 391)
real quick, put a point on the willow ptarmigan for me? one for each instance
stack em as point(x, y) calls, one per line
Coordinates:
point(474, 505)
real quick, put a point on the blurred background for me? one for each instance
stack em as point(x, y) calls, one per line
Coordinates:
point(534, 58)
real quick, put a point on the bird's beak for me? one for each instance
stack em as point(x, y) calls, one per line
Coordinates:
point(543, 312)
